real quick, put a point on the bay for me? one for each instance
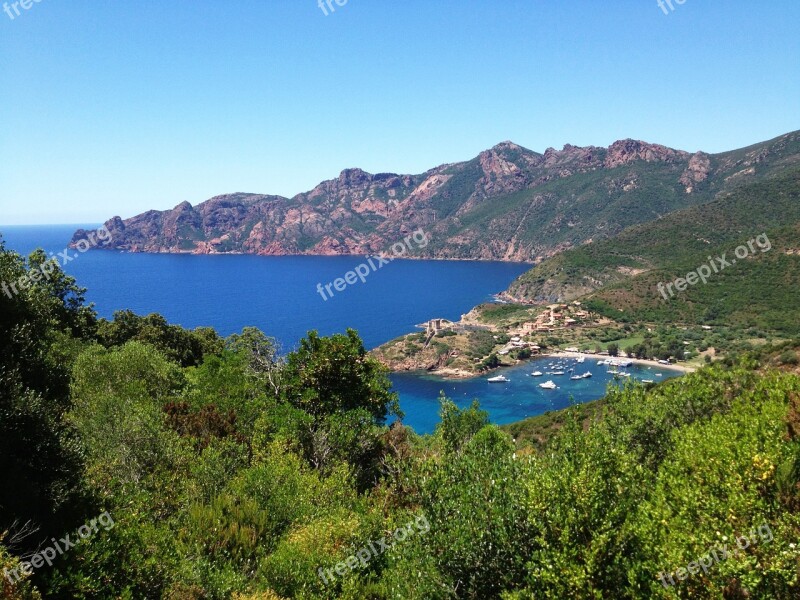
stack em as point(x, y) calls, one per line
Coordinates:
point(276, 294)
point(521, 397)
point(279, 296)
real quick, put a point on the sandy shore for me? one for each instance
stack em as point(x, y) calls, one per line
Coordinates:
point(636, 361)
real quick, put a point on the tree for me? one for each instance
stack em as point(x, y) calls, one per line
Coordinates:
point(262, 354)
point(328, 375)
point(613, 349)
point(457, 426)
point(340, 398)
point(187, 348)
point(40, 330)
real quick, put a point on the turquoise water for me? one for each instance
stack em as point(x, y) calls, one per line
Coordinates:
point(518, 399)
point(279, 296)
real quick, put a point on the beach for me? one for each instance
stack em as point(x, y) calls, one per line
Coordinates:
point(636, 361)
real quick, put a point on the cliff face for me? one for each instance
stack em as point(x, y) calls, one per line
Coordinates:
point(508, 203)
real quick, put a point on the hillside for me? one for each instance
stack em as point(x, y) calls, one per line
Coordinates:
point(508, 203)
point(758, 292)
point(620, 277)
point(679, 237)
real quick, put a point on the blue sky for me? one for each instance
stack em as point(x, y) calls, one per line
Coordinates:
point(113, 108)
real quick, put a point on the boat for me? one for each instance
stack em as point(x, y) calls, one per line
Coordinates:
point(625, 374)
point(647, 381)
point(600, 363)
point(659, 375)
point(557, 373)
point(537, 373)
point(586, 375)
point(499, 379)
point(576, 377)
point(548, 385)
point(581, 359)
point(619, 363)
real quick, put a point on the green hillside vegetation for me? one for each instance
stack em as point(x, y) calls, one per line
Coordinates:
point(678, 238)
point(758, 292)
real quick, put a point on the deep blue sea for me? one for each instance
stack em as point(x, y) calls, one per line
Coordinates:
point(279, 296)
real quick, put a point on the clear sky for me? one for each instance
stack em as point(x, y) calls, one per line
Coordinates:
point(115, 107)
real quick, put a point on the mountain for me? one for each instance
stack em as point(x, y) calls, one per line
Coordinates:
point(508, 203)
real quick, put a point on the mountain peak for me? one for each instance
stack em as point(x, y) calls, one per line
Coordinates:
point(623, 152)
point(506, 145)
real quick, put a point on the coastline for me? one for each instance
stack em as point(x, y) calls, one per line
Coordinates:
point(194, 252)
point(636, 361)
point(460, 374)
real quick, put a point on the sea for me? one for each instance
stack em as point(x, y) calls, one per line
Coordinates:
point(280, 296)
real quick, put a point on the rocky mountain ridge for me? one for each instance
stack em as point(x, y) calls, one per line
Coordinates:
point(508, 203)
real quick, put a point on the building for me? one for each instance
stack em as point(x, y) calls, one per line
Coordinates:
point(434, 326)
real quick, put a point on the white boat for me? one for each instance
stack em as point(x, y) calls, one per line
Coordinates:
point(647, 381)
point(499, 379)
point(625, 374)
point(659, 375)
point(557, 373)
point(537, 373)
point(600, 363)
point(581, 359)
point(548, 385)
point(620, 363)
point(576, 377)
point(586, 375)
